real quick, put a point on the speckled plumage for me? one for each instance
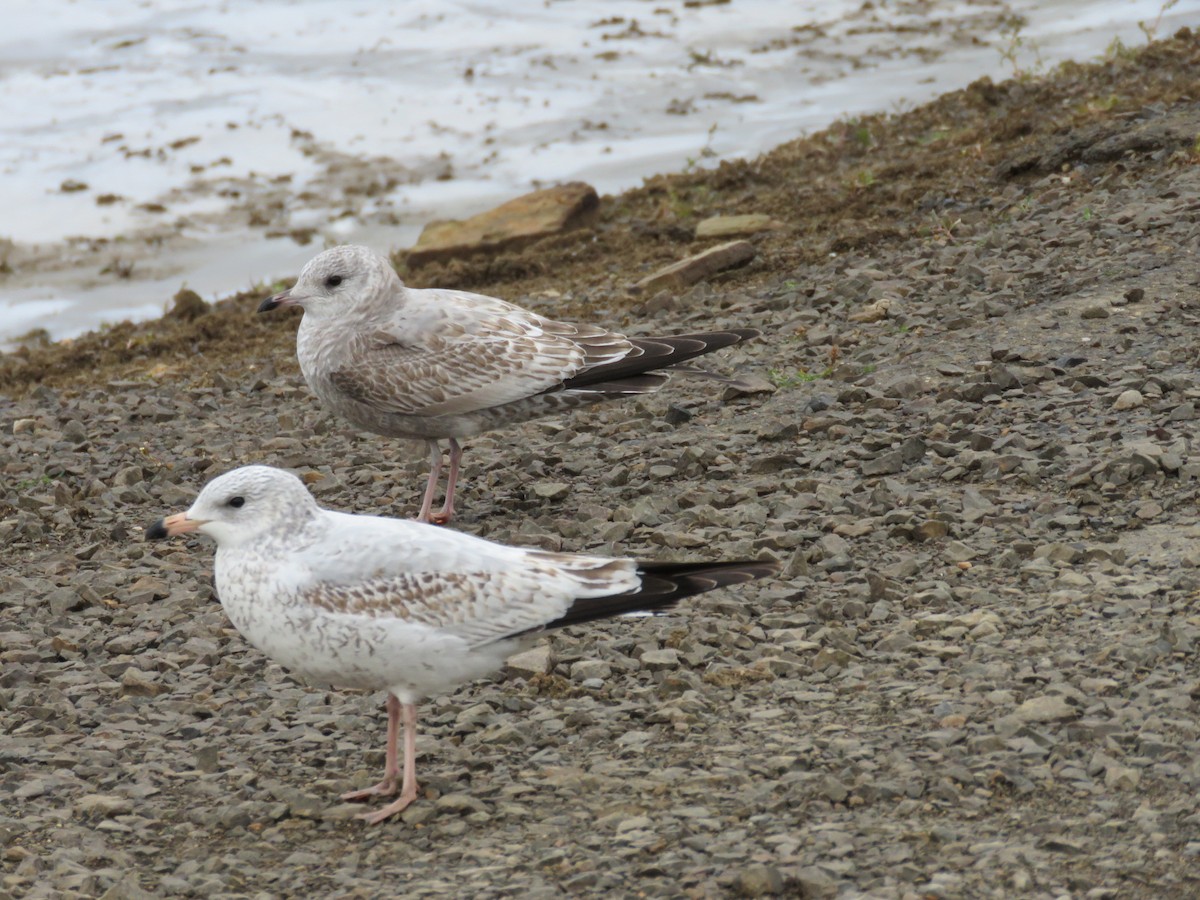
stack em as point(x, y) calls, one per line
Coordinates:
point(441, 364)
point(391, 604)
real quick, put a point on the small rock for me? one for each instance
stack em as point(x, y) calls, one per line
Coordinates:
point(1095, 311)
point(128, 476)
point(461, 802)
point(885, 464)
point(957, 551)
point(1129, 400)
point(634, 823)
point(551, 490)
point(758, 881)
point(813, 883)
point(299, 804)
point(677, 415)
point(732, 226)
point(127, 888)
point(873, 312)
point(1122, 778)
point(1047, 708)
point(833, 790)
point(660, 659)
point(74, 432)
point(137, 683)
point(1148, 510)
point(830, 658)
point(534, 661)
point(503, 733)
point(103, 806)
point(895, 642)
point(590, 668)
point(208, 759)
point(64, 600)
point(747, 385)
point(932, 530)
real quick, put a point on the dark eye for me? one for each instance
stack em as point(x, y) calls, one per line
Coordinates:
point(237, 502)
point(333, 281)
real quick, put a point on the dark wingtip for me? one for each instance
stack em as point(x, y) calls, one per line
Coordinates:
point(157, 531)
point(697, 578)
point(664, 585)
point(654, 354)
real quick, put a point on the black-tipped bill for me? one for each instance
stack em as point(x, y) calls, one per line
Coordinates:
point(171, 526)
point(283, 298)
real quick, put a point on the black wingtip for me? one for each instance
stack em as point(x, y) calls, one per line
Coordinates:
point(696, 578)
point(664, 585)
point(157, 531)
point(653, 354)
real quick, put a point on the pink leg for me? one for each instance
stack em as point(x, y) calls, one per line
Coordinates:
point(391, 765)
point(435, 472)
point(408, 791)
point(447, 512)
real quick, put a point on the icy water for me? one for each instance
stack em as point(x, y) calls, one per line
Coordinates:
point(146, 145)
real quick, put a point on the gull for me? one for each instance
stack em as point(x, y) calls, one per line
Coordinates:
point(437, 365)
point(359, 601)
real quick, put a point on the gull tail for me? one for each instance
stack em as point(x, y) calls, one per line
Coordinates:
point(664, 585)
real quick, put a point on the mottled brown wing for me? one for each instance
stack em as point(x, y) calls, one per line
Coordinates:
point(461, 369)
point(385, 569)
point(481, 607)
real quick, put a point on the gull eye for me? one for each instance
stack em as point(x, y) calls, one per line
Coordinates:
point(237, 502)
point(333, 281)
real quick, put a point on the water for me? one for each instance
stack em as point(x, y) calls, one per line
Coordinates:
point(198, 137)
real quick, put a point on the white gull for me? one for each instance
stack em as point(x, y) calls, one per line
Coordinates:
point(391, 604)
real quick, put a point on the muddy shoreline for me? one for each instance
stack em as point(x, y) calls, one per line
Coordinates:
point(977, 676)
point(122, 204)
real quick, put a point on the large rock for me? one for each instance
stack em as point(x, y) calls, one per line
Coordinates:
point(512, 224)
point(688, 271)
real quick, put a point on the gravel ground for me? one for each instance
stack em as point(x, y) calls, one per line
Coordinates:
point(976, 678)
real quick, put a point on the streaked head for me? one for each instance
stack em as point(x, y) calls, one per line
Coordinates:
point(242, 506)
point(341, 280)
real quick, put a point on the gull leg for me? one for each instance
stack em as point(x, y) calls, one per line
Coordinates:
point(435, 472)
point(408, 791)
point(447, 512)
point(391, 766)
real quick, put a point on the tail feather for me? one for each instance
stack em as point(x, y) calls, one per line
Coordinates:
point(646, 383)
point(664, 585)
point(657, 353)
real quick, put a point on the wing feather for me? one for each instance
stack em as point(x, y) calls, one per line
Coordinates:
point(460, 585)
point(462, 366)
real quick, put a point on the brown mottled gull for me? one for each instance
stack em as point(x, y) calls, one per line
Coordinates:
point(435, 364)
point(396, 605)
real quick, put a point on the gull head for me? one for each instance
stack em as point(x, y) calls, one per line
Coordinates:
point(338, 282)
point(247, 505)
